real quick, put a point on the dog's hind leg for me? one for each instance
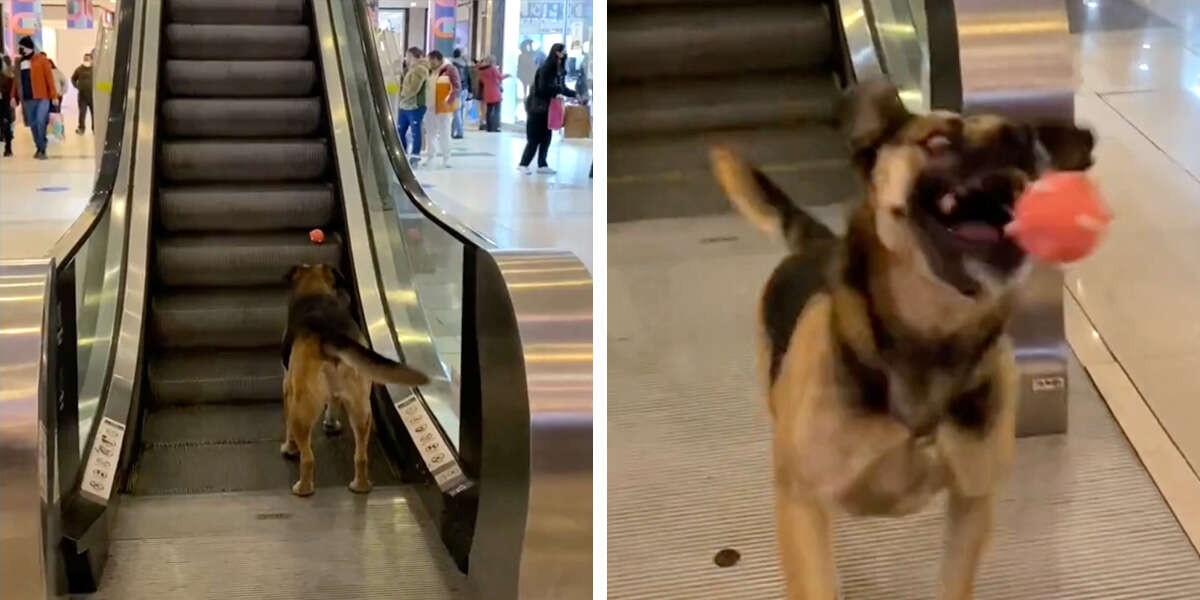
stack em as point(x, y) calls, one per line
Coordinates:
point(969, 524)
point(357, 402)
point(805, 547)
point(301, 432)
point(288, 448)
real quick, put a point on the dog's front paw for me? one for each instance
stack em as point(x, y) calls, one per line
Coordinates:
point(302, 490)
point(289, 450)
point(361, 487)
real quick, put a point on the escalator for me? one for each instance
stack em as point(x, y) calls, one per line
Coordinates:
point(764, 78)
point(234, 128)
point(244, 172)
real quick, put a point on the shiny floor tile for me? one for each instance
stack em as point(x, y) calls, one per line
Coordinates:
point(40, 198)
point(483, 188)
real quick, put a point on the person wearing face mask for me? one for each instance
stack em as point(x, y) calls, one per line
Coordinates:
point(34, 90)
point(82, 80)
point(7, 115)
point(548, 83)
point(413, 101)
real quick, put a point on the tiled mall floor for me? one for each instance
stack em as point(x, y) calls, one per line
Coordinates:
point(1140, 293)
point(483, 188)
point(40, 198)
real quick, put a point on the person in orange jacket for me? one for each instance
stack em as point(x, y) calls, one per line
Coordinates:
point(33, 89)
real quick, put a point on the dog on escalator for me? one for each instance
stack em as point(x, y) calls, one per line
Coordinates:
point(328, 364)
point(888, 371)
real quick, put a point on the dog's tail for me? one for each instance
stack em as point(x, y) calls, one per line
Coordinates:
point(762, 203)
point(375, 366)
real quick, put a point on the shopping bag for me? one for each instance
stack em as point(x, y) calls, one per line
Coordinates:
point(55, 129)
point(473, 111)
point(555, 118)
point(577, 123)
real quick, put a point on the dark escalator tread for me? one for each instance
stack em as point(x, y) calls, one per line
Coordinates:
point(221, 317)
point(696, 194)
point(219, 466)
point(241, 117)
point(687, 154)
point(722, 102)
point(240, 78)
point(245, 12)
point(244, 160)
point(705, 40)
point(207, 376)
point(238, 42)
point(248, 207)
point(239, 259)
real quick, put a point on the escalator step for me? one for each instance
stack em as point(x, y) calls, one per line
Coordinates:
point(239, 117)
point(238, 42)
point(224, 318)
point(712, 39)
point(258, 207)
point(241, 78)
point(203, 376)
point(239, 259)
point(242, 12)
point(266, 160)
point(235, 447)
point(744, 100)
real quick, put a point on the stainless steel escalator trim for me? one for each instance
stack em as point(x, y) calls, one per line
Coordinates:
point(533, 313)
point(26, 458)
point(860, 39)
point(110, 429)
point(408, 401)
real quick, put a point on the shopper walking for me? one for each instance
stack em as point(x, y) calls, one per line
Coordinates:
point(460, 114)
point(82, 80)
point(548, 84)
point(33, 89)
point(7, 114)
point(447, 89)
point(526, 67)
point(489, 83)
point(412, 102)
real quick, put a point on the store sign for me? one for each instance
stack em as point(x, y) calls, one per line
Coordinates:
point(443, 26)
point(540, 17)
point(79, 14)
point(26, 20)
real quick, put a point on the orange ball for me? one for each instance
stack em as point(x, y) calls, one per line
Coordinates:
point(317, 236)
point(1060, 218)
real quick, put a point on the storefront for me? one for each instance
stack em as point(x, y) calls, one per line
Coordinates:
point(531, 27)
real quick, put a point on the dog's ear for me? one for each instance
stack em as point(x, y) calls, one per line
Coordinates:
point(292, 272)
point(871, 114)
point(339, 280)
point(1069, 147)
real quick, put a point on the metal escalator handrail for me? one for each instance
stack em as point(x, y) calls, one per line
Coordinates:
point(69, 243)
point(395, 151)
point(87, 504)
point(530, 335)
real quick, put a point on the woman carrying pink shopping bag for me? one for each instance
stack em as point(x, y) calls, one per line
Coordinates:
point(548, 84)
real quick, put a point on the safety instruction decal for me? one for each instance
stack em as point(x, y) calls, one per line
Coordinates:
point(104, 458)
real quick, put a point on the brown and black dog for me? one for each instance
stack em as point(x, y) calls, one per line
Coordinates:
point(889, 374)
point(329, 364)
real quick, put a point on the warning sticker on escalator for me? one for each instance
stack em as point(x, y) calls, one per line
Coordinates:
point(431, 444)
point(102, 462)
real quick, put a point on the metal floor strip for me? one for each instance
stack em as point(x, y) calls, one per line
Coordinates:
point(689, 468)
point(274, 546)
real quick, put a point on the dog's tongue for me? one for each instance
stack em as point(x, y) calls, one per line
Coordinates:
point(977, 233)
